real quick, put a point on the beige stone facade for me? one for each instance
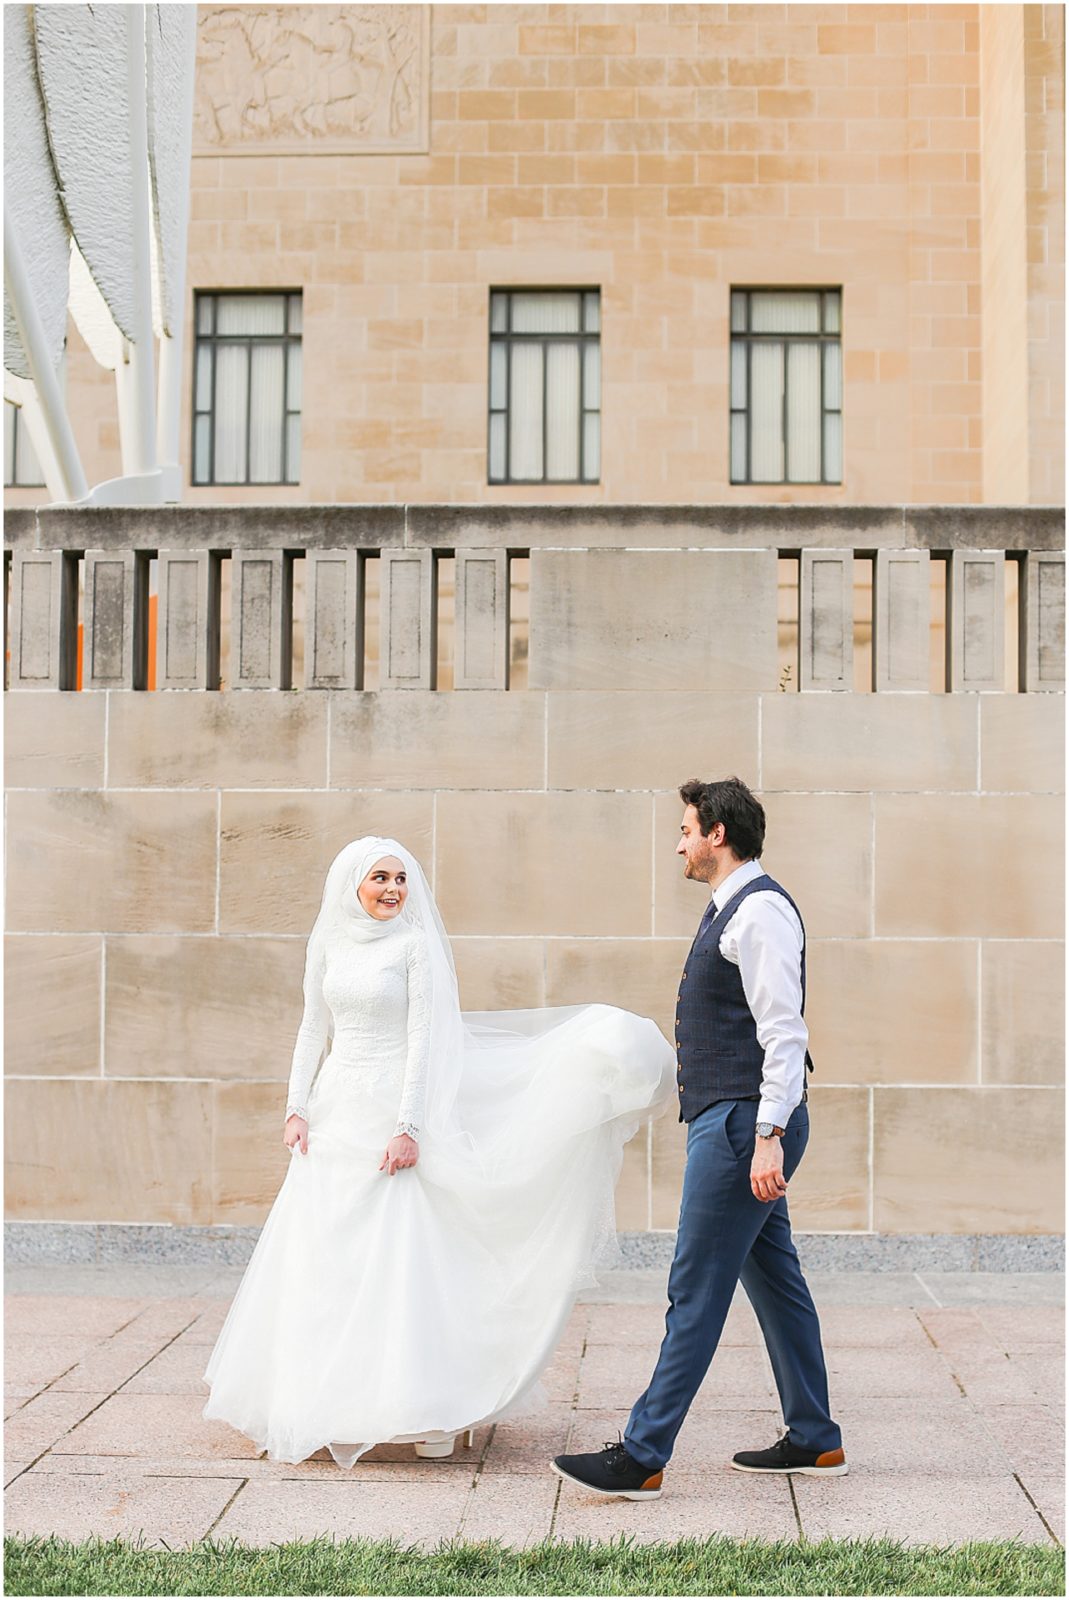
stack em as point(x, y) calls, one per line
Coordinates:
point(166, 849)
point(910, 155)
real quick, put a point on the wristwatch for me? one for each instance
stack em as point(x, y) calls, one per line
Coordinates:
point(765, 1130)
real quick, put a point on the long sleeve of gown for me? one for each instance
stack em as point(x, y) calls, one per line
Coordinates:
point(311, 1039)
point(414, 1092)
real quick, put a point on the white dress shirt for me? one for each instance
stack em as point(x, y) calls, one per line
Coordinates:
point(764, 940)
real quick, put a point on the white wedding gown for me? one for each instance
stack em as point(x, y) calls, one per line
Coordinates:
point(378, 1308)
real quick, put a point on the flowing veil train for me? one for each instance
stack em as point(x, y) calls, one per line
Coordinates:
point(411, 1307)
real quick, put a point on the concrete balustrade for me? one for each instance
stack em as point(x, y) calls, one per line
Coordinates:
point(826, 620)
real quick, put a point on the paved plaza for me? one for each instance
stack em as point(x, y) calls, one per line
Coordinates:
point(949, 1388)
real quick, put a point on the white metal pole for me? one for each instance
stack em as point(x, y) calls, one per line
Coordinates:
point(142, 362)
point(34, 343)
point(170, 383)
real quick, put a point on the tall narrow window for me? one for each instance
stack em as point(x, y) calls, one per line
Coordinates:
point(247, 389)
point(786, 386)
point(22, 470)
point(545, 386)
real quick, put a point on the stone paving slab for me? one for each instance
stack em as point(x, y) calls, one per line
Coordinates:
point(949, 1402)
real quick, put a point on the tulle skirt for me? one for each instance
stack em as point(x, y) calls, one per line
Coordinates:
point(378, 1309)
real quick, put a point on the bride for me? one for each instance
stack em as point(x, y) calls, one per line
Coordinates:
point(450, 1187)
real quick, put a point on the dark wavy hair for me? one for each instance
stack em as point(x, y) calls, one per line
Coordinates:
point(728, 801)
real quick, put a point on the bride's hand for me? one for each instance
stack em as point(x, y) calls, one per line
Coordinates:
point(400, 1152)
point(296, 1131)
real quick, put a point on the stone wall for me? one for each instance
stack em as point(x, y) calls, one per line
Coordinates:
point(166, 853)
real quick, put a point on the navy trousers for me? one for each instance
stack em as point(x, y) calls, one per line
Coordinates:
point(726, 1236)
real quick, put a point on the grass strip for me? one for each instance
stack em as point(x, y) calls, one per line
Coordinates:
point(716, 1566)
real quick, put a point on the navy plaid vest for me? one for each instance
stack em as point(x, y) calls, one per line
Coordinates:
point(718, 1055)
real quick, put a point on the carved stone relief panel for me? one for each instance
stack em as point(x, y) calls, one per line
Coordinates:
point(312, 80)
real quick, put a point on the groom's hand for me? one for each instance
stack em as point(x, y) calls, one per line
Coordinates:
point(766, 1170)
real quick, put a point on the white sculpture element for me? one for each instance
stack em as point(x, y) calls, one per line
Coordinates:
point(112, 84)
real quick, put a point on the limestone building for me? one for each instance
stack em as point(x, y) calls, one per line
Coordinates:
point(580, 398)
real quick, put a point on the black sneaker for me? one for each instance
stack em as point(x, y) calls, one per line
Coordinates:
point(787, 1457)
point(611, 1471)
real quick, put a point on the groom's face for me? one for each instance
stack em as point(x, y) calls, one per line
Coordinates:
point(699, 859)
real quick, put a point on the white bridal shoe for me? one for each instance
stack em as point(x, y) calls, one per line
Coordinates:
point(440, 1449)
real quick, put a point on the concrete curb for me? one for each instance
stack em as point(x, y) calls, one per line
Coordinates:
point(102, 1242)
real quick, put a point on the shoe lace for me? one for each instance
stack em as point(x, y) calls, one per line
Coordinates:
point(615, 1453)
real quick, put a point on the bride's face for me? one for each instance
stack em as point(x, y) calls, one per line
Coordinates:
point(385, 889)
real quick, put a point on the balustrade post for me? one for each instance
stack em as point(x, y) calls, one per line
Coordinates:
point(482, 620)
point(976, 620)
point(116, 620)
point(1041, 632)
point(408, 635)
point(188, 626)
point(334, 620)
point(261, 601)
point(44, 620)
point(826, 620)
point(901, 620)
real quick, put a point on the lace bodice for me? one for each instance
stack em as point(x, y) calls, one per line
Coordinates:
point(375, 1000)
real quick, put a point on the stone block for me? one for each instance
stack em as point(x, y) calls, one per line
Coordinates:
point(261, 652)
point(116, 620)
point(864, 742)
point(632, 1187)
point(1022, 743)
point(275, 850)
point(668, 1158)
point(830, 1190)
point(893, 1011)
point(44, 619)
point(217, 741)
point(201, 1008)
point(1042, 622)
point(102, 1151)
point(976, 620)
point(334, 620)
point(52, 1016)
point(521, 863)
point(500, 974)
point(641, 975)
point(188, 619)
point(1023, 1024)
point(408, 619)
point(628, 619)
point(980, 888)
point(481, 648)
point(54, 741)
point(826, 620)
point(968, 1160)
point(901, 613)
point(634, 739)
point(119, 863)
point(817, 846)
point(249, 1159)
point(430, 740)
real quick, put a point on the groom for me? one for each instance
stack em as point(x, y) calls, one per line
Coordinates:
point(742, 1060)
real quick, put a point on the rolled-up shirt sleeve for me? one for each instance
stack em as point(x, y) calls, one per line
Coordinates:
point(764, 939)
